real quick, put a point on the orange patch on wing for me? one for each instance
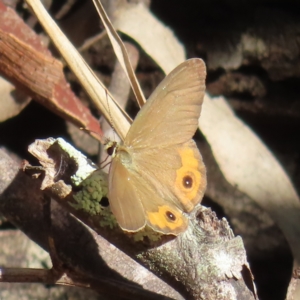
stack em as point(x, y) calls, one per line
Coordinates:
point(190, 169)
point(161, 220)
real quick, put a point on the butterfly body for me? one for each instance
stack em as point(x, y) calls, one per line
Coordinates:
point(157, 175)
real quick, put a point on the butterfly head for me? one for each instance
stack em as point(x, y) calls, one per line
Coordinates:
point(111, 148)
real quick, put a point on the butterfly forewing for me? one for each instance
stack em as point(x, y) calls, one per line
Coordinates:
point(171, 113)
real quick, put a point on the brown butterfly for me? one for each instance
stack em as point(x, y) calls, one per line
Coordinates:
point(157, 175)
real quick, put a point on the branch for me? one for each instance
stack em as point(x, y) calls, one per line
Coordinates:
point(205, 262)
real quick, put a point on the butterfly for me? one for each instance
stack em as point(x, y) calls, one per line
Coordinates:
point(157, 175)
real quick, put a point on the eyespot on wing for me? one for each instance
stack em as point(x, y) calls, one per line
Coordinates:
point(190, 183)
point(167, 220)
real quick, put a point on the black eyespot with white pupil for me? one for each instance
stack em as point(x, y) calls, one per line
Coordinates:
point(187, 182)
point(170, 216)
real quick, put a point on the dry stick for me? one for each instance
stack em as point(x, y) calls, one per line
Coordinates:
point(78, 246)
point(121, 53)
point(91, 41)
point(105, 286)
point(65, 9)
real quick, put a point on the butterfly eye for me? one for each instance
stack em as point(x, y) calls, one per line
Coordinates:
point(187, 181)
point(170, 216)
point(110, 150)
